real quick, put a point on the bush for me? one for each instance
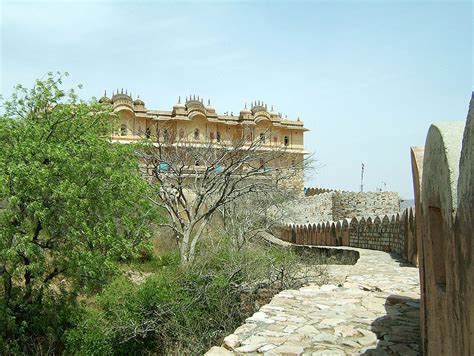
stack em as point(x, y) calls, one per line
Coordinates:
point(183, 310)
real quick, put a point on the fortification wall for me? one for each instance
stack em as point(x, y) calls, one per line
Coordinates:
point(445, 199)
point(310, 208)
point(350, 204)
point(391, 233)
point(309, 192)
point(332, 205)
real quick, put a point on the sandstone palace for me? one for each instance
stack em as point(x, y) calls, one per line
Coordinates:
point(199, 124)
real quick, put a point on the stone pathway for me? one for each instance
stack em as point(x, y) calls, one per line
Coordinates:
point(374, 311)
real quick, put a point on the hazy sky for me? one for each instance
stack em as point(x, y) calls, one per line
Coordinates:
point(366, 77)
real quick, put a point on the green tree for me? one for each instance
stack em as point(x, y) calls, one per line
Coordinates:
point(71, 204)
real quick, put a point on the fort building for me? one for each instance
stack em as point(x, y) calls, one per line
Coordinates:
point(197, 123)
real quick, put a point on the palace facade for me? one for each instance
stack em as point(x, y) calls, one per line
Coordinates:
point(192, 121)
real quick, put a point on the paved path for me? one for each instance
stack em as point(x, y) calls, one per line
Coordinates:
point(373, 311)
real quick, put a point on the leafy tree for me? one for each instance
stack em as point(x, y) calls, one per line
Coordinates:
point(71, 203)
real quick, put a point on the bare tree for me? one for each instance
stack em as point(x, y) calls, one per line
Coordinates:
point(242, 224)
point(195, 178)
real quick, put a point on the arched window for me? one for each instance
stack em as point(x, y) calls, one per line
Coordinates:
point(147, 132)
point(218, 136)
point(287, 141)
point(262, 138)
point(196, 134)
point(123, 130)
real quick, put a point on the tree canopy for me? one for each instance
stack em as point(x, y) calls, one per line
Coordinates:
point(71, 203)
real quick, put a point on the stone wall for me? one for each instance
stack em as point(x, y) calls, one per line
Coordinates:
point(329, 205)
point(350, 204)
point(392, 233)
point(445, 199)
point(310, 208)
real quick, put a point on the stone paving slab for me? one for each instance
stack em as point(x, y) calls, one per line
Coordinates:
point(374, 311)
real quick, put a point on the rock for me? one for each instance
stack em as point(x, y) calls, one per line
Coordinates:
point(249, 348)
point(325, 338)
point(288, 350)
point(331, 321)
point(258, 316)
point(351, 344)
point(245, 328)
point(255, 339)
point(367, 340)
point(322, 306)
point(218, 351)
point(266, 348)
point(329, 352)
point(232, 341)
point(345, 331)
point(401, 349)
point(307, 330)
point(327, 287)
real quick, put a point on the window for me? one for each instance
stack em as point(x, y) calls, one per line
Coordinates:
point(262, 138)
point(211, 136)
point(123, 130)
point(181, 134)
point(218, 136)
point(166, 136)
point(275, 139)
point(147, 132)
point(287, 140)
point(196, 134)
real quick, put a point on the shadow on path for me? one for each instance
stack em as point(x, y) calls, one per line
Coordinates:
point(398, 331)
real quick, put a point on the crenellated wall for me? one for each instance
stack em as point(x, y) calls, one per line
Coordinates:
point(394, 233)
point(350, 204)
point(327, 204)
point(309, 192)
point(443, 177)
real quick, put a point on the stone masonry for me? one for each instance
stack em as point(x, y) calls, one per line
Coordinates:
point(373, 309)
point(336, 205)
point(350, 204)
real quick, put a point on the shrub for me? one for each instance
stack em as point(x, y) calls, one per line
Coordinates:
point(184, 310)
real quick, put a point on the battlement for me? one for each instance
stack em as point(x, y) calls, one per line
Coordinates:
point(390, 233)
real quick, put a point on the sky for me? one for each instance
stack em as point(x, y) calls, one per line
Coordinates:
point(366, 77)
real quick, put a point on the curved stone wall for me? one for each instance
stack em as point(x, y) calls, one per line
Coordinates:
point(447, 254)
point(416, 154)
point(464, 234)
point(387, 233)
point(439, 202)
